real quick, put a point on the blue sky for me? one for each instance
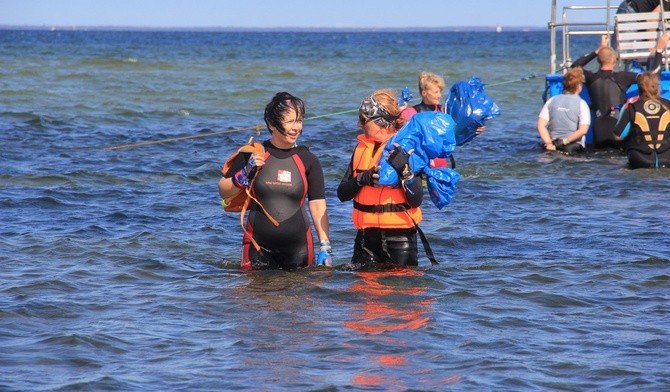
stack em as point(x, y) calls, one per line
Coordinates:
point(273, 13)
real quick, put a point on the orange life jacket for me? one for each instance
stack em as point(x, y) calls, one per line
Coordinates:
point(239, 202)
point(381, 206)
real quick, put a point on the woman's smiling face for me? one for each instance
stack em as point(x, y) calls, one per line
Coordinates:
point(292, 125)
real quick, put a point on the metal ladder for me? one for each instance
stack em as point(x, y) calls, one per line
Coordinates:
point(568, 29)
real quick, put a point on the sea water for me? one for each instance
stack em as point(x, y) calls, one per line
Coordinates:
point(119, 269)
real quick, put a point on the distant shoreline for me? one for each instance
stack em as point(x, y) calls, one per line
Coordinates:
point(278, 29)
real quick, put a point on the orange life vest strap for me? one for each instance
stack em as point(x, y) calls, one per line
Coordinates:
point(232, 204)
point(244, 210)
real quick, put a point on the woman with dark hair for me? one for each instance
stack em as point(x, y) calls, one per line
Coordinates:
point(386, 216)
point(565, 119)
point(279, 181)
point(645, 125)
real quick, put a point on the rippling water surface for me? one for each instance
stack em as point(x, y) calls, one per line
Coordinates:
point(119, 270)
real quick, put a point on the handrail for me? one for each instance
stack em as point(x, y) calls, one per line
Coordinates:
point(598, 28)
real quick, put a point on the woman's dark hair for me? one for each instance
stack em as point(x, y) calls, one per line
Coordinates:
point(280, 104)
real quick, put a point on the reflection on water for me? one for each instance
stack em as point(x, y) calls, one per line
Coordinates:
point(378, 313)
point(361, 329)
point(389, 305)
point(281, 327)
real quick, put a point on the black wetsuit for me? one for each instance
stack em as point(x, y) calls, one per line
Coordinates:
point(424, 107)
point(607, 90)
point(645, 125)
point(281, 186)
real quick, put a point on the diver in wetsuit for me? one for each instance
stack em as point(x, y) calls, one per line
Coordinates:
point(431, 87)
point(607, 88)
point(645, 125)
point(280, 183)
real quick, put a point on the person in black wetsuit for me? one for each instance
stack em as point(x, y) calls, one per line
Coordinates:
point(607, 88)
point(431, 87)
point(280, 180)
point(631, 6)
point(645, 125)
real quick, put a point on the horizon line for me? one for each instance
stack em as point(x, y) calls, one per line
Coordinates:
point(486, 28)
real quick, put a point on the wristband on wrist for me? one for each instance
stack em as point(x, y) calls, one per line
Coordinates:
point(325, 245)
point(406, 183)
point(240, 180)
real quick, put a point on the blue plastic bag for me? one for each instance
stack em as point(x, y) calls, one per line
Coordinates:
point(441, 184)
point(470, 107)
point(429, 134)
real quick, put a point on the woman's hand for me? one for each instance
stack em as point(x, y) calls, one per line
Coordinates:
point(243, 178)
point(369, 177)
point(399, 159)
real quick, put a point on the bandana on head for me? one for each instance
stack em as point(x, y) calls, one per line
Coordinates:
point(376, 112)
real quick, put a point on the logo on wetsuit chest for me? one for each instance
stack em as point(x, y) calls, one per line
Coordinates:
point(652, 107)
point(283, 176)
